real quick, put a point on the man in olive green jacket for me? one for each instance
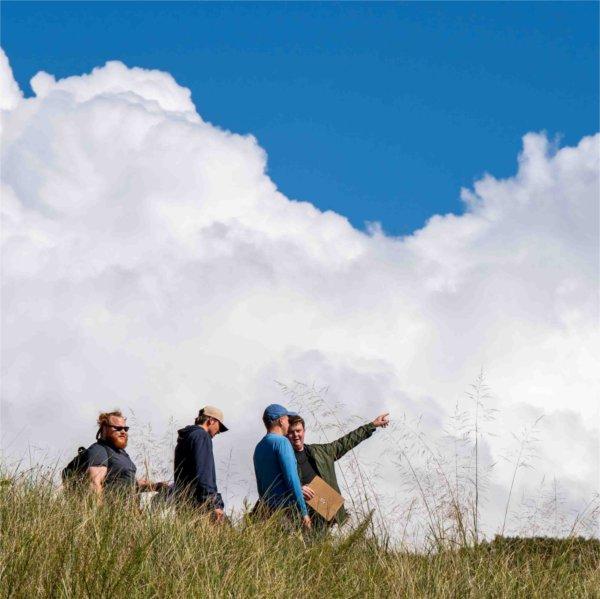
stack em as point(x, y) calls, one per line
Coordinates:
point(318, 459)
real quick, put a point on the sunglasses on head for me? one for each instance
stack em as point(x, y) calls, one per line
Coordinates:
point(119, 428)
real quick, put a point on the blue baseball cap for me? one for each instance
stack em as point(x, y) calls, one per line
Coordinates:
point(275, 411)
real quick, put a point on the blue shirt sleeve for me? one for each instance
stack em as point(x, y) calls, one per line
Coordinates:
point(289, 468)
point(206, 482)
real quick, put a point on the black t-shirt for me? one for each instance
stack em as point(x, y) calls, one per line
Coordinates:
point(307, 471)
point(120, 469)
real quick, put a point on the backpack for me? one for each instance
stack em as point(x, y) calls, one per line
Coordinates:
point(74, 471)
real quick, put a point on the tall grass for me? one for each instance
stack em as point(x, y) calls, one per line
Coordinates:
point(61, 545)
point(440, 493)
point(56, 544)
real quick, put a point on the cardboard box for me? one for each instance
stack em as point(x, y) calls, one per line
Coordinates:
point(327, 501)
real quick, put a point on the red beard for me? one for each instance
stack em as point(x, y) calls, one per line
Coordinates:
point(120, 442)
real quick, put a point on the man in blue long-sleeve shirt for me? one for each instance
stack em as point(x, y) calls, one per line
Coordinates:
point(195, 477)
point(275, 465)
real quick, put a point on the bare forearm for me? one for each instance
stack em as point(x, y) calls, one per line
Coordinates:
point(96, 487)
point(97, 476)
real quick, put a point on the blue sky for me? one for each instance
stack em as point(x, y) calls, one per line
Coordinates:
point(380, 112)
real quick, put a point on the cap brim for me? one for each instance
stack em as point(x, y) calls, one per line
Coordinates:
point(222, 427)
point(292, 413)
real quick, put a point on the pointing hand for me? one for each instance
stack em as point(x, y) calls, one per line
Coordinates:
point(382, 420)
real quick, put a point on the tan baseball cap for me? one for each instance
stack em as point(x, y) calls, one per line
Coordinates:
point(216, 414)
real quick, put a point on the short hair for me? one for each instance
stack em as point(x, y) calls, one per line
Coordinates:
point(202, 418)
point(269, 424)
point(296, 420)
point(104, 420)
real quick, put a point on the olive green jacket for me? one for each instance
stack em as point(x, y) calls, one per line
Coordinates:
point(324, 455)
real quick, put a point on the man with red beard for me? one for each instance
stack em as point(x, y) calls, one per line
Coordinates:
point(108, 464)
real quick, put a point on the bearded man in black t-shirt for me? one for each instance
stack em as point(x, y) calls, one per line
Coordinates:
point(108, 464)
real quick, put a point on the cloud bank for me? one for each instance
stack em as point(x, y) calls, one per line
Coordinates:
point(150, 263)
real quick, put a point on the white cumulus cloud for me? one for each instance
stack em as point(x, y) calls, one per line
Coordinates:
point(149, 262)
point(10, 94)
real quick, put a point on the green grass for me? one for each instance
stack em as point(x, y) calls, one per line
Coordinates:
point(56, 545)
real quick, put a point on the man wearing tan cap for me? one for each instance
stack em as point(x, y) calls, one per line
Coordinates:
point(195, 477)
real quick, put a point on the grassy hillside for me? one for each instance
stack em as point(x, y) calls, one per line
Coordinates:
point(62, 546)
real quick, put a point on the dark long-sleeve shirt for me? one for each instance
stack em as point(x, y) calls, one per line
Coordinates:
point(323, 456)
point(195, 475)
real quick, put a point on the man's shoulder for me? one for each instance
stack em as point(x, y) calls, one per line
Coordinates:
point(198, 431)
point(283, 445)
point(98, 448)
point(267, 441)
point(274, 441)
point(278, 440)
point(310, 447)
point(198, 434)
point(102, 449)
point(322, 449)
point(97, 454)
